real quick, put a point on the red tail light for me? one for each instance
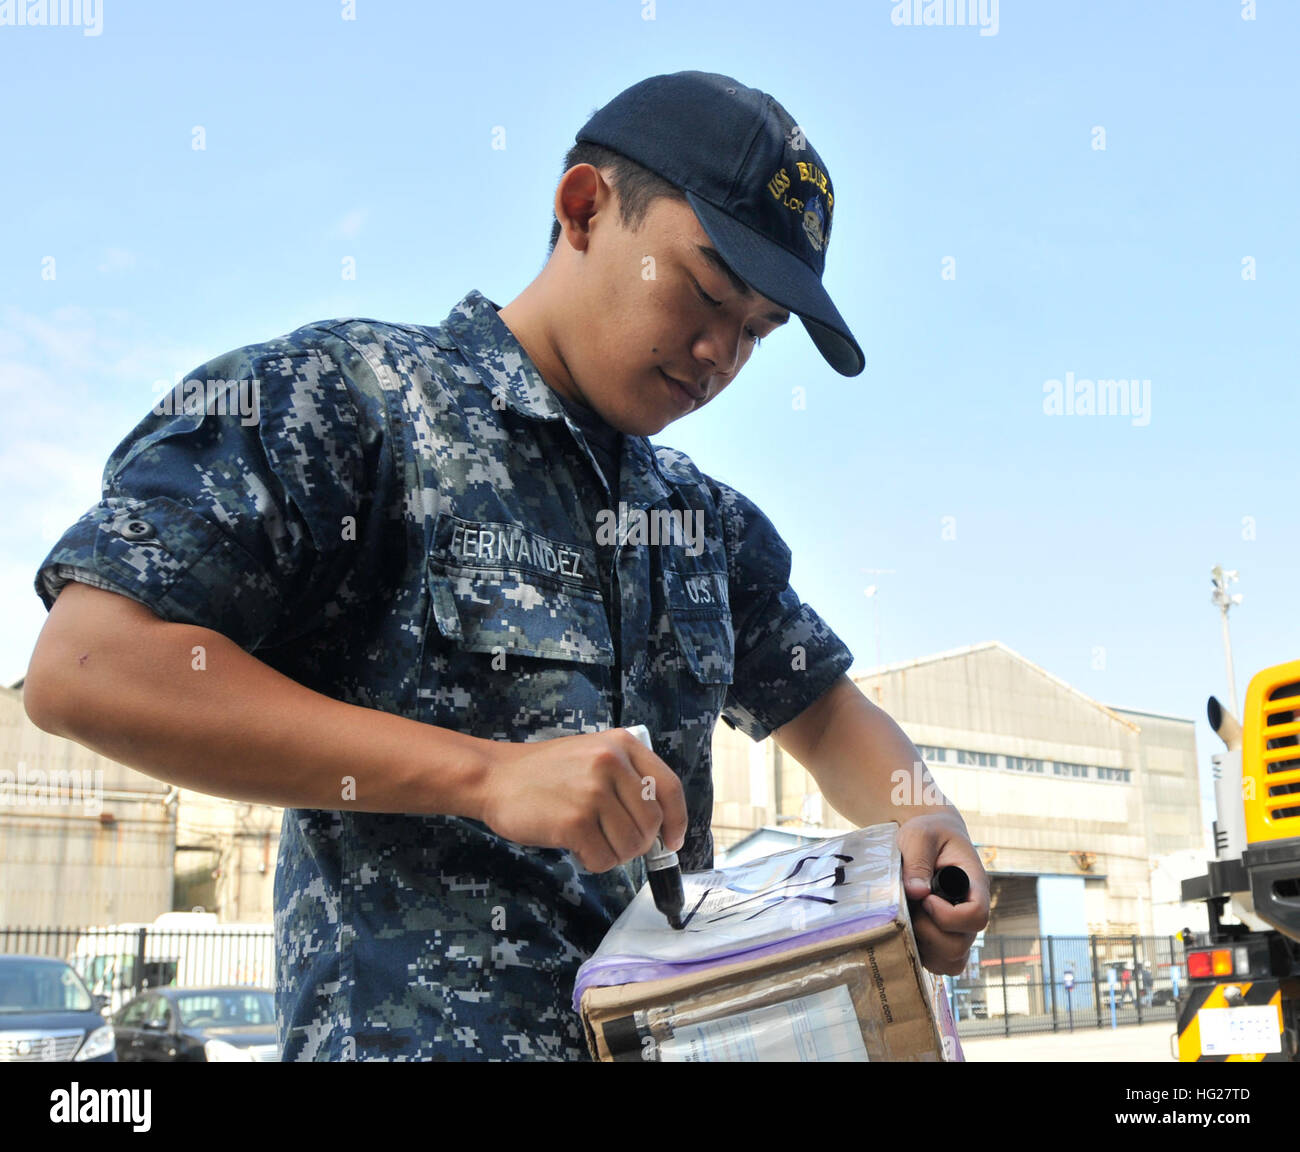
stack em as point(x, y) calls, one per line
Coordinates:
point(1203, 964)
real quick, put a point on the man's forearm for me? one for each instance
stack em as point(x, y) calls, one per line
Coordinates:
point(863, 762)
point(871, 773)
point(112, 676)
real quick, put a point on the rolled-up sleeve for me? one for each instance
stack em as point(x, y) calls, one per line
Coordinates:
point(786, 655)
point(242, 500)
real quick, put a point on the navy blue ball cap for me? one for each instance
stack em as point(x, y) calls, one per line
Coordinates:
point(759, 188)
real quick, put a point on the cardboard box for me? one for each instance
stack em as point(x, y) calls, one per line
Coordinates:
point(804, 955)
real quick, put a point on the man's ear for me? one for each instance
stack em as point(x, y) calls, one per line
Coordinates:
point(582, 193)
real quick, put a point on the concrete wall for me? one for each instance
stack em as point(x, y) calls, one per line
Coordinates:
point(1170, 781)
point(240, 843)
point(83, 840)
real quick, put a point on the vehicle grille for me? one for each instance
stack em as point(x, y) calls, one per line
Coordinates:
point(1270, 765)
point(264, 1052)
point(35, 1047)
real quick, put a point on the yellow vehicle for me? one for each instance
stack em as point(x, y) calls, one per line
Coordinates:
point(1241, 1000)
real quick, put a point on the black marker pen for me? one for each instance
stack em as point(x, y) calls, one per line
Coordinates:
point(666, 882)
point(662, 868)
point(951, 883)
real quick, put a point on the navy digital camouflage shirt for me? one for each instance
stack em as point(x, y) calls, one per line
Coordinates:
point(407, 519)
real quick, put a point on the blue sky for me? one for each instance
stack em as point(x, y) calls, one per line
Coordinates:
point(1082, 542)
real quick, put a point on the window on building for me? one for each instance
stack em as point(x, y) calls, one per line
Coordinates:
point(983, 759)
point(1024, 764)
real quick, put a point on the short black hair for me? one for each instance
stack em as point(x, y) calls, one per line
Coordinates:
point(636, 187)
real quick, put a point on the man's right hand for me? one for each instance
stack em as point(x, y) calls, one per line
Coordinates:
point(112, 675)
point(604, 797)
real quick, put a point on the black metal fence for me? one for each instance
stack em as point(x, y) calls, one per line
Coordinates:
point(122, 962)
point(1018, 984)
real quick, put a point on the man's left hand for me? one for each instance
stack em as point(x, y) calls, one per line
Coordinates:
point(944, 932)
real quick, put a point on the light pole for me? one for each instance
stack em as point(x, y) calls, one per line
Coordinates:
point(1224, 600)
point(873, 592)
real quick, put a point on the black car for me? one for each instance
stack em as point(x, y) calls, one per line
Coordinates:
point(195, 1025)
point(47, 1013)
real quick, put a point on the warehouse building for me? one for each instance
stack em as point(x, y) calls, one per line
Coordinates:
point(1072, 804)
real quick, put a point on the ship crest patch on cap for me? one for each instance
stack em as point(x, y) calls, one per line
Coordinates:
point(814, 223)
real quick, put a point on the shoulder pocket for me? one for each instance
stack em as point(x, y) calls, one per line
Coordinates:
point(162, 423)
point(701, 619)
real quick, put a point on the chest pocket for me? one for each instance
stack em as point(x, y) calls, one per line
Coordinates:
point(501, 588)
point(516, 645)
point(516, 613)
point(700, 611)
